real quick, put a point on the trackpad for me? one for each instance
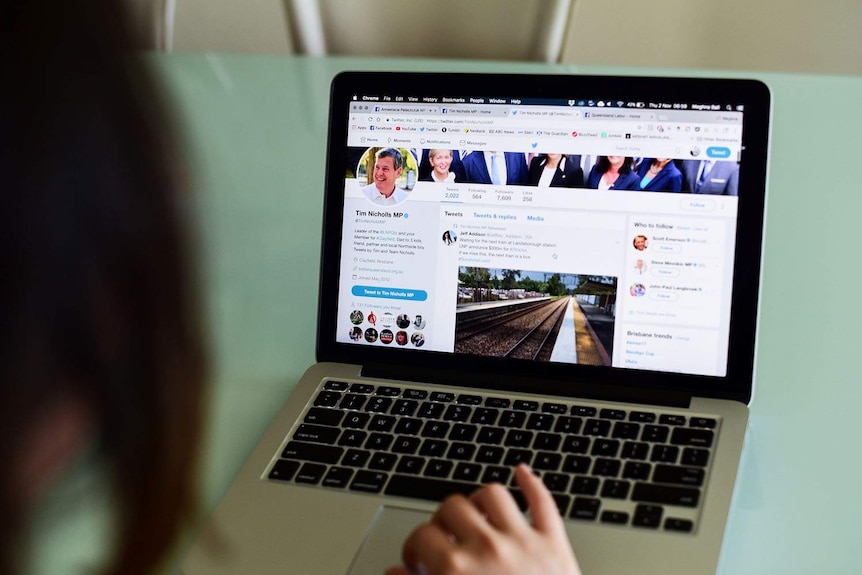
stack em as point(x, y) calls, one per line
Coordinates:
point(384, 539)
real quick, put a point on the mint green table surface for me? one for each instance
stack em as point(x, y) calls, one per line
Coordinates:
point(255, 132)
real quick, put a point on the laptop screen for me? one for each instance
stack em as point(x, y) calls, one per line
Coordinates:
point(591, 227)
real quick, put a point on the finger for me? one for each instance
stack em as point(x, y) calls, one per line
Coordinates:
point(427, 545)
point(543, 508)
point(499, 507)
point(460, 517)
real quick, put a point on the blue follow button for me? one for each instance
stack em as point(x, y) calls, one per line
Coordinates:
point(718, 152)
point(390, 293)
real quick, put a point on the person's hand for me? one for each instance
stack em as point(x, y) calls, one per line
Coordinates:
point(486, 534)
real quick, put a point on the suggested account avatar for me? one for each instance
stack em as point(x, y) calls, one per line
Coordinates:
point(372, 319)
point(449, 237)
point(402, 320)
point(401, 338)
point(637, 290)
point(419, 322)
point(386, 336)
point(356, 317)
point(384, 191)
point(356, 333)
point(370, 335)
point(640, 267)
point(640, 242)
point(417, 339)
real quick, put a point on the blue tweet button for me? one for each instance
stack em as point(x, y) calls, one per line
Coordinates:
point(390, 293)
point(718, 152)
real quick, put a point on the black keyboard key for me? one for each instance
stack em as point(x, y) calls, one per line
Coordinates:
point(585, 508)
point(491, 435)
point(495, 474)
point(382, 461)
point(606, 467)
point(618, 414)
point(404, 407)
point(585, 485)
point(522, 405)
point(433, 448)
point(383, 423)
point(672, 419)
point(405, 444)
point(356, 420)
point(458, 413)
point(337, 477)
point(497, 402)
point(678, 475)
point(540, 421)
point(430, 410)
point(694, 456)
point(312, 452)
point(547, 461)
point(511, 418)
point(706, 422)
point(438, 468)
point(597, 427)
point(615, 489)
point(681, 525)
point(489, 454)
point(364, 388)
point(434, 428)
point(463, 432)
point(693, 437)
point(355, 458)
point(664, 494)
point(310, 473)
point(583, 411)
point(605, 447)
point(410, 465)
point(335, 385)
point(615, 517)
point(284, 470)
point(408, 426)
point(556, 482)
point(353, 401)
point(485, 416)
point(516, 456)
point(655, 433)
point(576, 444)
point(636, 470)
point(427, 488)
point(467, 472)
point(388, 391)
point(664, 453)
point(379, 441)
point(547, 441)
point(461, 451)
point(316, 434)
point(352, 438)
point(327, 399)
point(635, 450)
point(518, 438)
point(369, 481)
point(562, 502)
point(466, 399)
point(576, 464)
point(442, 396)
point(378, 404)
point(624, 430)
point(321, 416)
point(642, 417)
point(555, 408)
point(567, 424)
point(415, 394)
point(648, 516)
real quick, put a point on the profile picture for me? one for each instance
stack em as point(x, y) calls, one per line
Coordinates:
point(356, 333)
point(401, 338)
point(419, 322)
point(637, 290)
point(387, 175)
point(449, 237)
point(356, 317)
point(386, 336)
point(417, 339)
point(387, 320)
point(640, 266)
point(372, 319)
point(370, 335)
point(640, 242)
point(402, 320)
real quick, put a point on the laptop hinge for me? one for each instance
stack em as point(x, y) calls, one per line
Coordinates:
point(526, 384)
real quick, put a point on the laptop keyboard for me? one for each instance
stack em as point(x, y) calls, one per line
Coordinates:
point(636, 468)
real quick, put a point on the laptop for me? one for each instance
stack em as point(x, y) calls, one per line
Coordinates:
point(561, 270)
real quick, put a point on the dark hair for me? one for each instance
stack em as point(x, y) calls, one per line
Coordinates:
point(96, 286)
point(397, 157)
point(603, 165)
